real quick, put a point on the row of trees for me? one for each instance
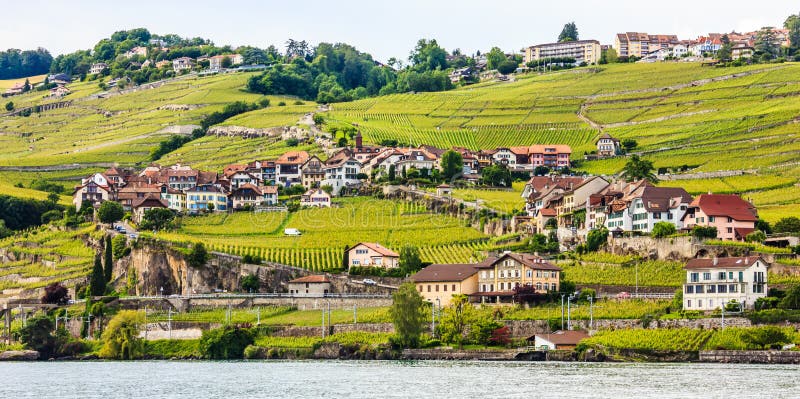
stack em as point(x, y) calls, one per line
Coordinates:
point(16, 63)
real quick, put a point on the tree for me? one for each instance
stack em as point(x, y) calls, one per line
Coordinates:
point(10, 106)
point(198, 256)
point(791, 300)
point(226, 342)
point(118, 245)
point(756, 236)
point(37, 335)
point(452, 164)
point(495, 57)
point(97, 281)
point(639, 169)
point(455, 320)
point(410, 261)
point(110, 212)
point(663, 229)
point(792, 23)
point(108, 261)
point(121, 338)
point(766, 44)
point(725, 51)
point(428, 56)
point(507, 67)
point(611, 56)
point(226, 62)
point(392, 173)
point(789, 224)
point(596, 238)
point(55, 293)
point(766, 337)
point(53, 198)
point(629, 144)
point(569, 33)
point(250, 283)
point(408, 315)
point(157, 219)
point(496, 175)
point(764, 226)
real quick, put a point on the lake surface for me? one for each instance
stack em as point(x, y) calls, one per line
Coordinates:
point(394, 379)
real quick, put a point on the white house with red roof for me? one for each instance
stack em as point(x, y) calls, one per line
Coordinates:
point(712, 283)
point(310, 286)
point(367, 254)
point(94, 189)
point(733, 217)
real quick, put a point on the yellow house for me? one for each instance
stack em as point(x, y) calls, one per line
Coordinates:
point(498, 277)
point(438, 283)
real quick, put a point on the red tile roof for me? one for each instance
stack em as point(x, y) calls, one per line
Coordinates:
point(563, 337)
point(377, 248)
point(318, 278)
point(729, 205)
point(445, 272)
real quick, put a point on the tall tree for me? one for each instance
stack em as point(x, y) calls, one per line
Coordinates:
point(410, 261)
point(766, 44)
point(792, 23)
point(408, 315)
point(108, 262)
point(495, 57)
point(452, 164)
point(639, 169)
point(569, 33)
point(428, 56)
point(110, 212)
point(97, 281)
point(725, 51)
point(455, 320)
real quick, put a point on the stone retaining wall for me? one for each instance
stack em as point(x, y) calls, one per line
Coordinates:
point(456, 354)
point(772, 357)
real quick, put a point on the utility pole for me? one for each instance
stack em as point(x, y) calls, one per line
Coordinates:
point(569, 302)
point(323, 322)
point(355, 314)
point(258, 316)
point(562, 312)
point(169, 322)
point(591, 314)
point(637, 279)
point(433, 320)
point(146, 326)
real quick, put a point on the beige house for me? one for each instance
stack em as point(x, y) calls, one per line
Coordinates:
point(316, 197)
point(310, 286)
point(312, 172)
point(367, 254)
point(94, 189)
point(499, 276)
point(142, 205)
point(587, 51)
point(438, 283)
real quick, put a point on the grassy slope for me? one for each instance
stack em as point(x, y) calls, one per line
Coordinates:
point(732, 124)
point(8, 83)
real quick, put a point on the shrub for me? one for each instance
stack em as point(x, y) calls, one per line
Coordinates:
point(756, 236)
point(702, 232)
point(227, 342)
point(110, 212)
point(596, 238)
point(55, 293)
point(663, 229)
point(36, 334)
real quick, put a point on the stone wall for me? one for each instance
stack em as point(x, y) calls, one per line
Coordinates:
point(458, 354)
point(772, 357)
point(527, 328)
point(674, 248)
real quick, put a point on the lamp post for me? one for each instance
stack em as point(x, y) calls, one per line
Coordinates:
point(562, 311)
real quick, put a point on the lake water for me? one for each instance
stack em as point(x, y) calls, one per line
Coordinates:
point(394, 379)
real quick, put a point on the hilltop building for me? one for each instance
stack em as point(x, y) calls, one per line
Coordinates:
point(583, 51)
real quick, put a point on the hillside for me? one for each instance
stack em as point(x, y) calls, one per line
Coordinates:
point(707, 119)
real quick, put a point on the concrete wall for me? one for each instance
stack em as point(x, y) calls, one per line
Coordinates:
point(772, 357)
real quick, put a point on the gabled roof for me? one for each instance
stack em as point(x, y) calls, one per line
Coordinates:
point(149, 202)
point(293, 157)
point(445, 272)
point(246, 186)
point(727, 205)
point(529, 260)
point(377, 248)
point(318, 278)
point(728, 263)
point(661, 199)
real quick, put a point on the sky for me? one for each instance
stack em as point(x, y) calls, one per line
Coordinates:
point(383, 29)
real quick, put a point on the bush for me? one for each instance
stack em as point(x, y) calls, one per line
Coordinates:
point(198, 256)
point(756, 236)
point(110, 212)
point(36, 334)
point(663, 229)
point(227, 342)
point(250, 283)
point(596, 238)
point(704, 232)
point(55, 293)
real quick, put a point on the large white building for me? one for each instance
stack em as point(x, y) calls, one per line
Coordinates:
point(712, 283)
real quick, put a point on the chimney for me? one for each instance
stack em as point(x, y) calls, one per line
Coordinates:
point(715, 261)
point(359, 139)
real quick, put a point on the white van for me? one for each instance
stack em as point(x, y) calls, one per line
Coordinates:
point(292, 232)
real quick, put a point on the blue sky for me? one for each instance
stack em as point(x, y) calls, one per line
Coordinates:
point(380, 28)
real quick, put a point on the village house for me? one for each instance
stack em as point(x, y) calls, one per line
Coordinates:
point(141, 205)
point(499, 276)
point(438, 283)
point(312, 172)
point(713, 283)
point(288, 168)
point(240, 178)
point(316, 286)
point(341, 171)
point(94, 189)
point(17, 88)
point(97, 68)
point(608, 146)
point(163, 64)
point(135, 191)
point(540, 190)
point(249, 195)
point(559, 340)
point(637, 206)
point(444, 190)
point(175, 199)
point(367, 254)
point(733, 217)
point(206, 198)
point(639, 44)
point(364, 153)
point(182, 64)
point(416, 158)
point(138, 50)
point(576, 199)
point(316, 197)
point(59, 91)
point(215, 62)
point(552, 156)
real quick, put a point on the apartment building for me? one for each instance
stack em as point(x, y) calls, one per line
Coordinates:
point(639, 44)
point(587, 51)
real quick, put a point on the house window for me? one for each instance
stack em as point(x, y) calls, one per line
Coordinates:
point(491, 273)
point(698, 289)
point(361, 251)
point(437, 287)
point(730, 230)
point(689, 303)
point(722, 289)
point(730, 275)
point(429, 288)
point(454, 288)
point(444, 286)
point(706, 276)
point(730, 219)
point(758, 288)
point(538, 286)
point(538, 274)
point(711, 289)
point(690, 289)
point(356, 262)
point(420, 287)
point(516, 273)
point(733, 288)
point(721, 275)
point(711, 219)
point(699, 303)
point(529, 273)
point(483, 274)
point(694, 277)
point(741, 276)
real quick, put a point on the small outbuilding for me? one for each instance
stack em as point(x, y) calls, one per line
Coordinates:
point(310, 286)
point(559, 340)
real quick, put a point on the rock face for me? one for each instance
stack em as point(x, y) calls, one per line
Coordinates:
point(19, 355)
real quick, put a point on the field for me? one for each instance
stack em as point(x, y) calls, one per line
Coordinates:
point(326, 232)
point(505, 201)
point(8, 83)
point(61, 256)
